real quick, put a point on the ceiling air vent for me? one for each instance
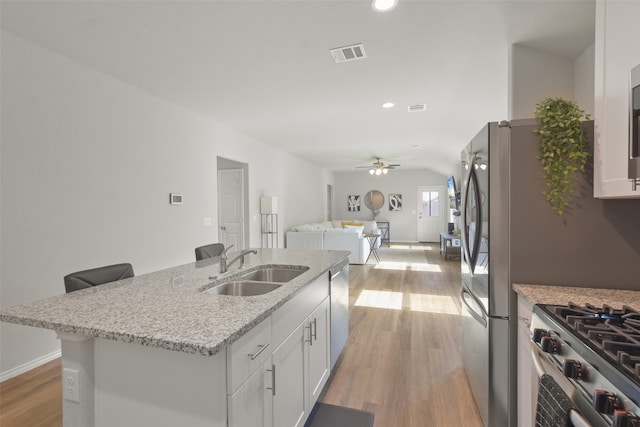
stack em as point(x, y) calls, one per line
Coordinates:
point(348, 53)
point(417, 108)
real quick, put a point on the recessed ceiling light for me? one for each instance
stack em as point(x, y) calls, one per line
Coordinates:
point(388, 105)
point(383, 5)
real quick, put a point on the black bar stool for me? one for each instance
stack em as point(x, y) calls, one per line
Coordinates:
point(97, 276)
point(209, 251)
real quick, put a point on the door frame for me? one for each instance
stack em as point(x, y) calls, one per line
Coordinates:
point(227, 164)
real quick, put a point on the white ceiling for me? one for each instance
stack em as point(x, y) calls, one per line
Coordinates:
point(264, 68)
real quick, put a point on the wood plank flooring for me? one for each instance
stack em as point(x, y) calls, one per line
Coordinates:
point(402, 360)
point(403, 363)
point(33, 399)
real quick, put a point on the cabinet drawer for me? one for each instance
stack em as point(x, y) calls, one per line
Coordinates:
point(293, 312)
point(246, 354)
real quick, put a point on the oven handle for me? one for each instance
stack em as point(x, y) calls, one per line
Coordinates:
point(537, 363)
point(578, 420)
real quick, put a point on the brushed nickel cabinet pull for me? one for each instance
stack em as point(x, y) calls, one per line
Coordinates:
point(273, 380)
point(310, 341)
point(261, 348)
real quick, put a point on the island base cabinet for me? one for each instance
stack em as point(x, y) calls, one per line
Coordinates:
point(289, 384)
point(251, 405)
point(318, 354)
point(301, 368)
point(144, 386)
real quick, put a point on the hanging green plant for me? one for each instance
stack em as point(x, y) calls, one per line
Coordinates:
point(563, 149)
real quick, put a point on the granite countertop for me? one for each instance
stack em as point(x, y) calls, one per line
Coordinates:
point(166, 309)
point(545, 294)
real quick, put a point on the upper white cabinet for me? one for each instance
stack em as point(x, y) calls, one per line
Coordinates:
point(616, 52)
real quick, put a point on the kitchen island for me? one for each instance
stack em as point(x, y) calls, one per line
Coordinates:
point(156, 350)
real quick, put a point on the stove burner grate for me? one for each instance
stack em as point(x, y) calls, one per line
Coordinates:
point(613, 333)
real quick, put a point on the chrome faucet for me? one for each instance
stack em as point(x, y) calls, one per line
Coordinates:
point(224, 260)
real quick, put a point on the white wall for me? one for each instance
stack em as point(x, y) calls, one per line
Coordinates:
point(583, 84)
point(402, 224)
point(88, 163)
point(535, 75)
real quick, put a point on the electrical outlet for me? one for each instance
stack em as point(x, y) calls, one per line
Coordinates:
point(71, 385)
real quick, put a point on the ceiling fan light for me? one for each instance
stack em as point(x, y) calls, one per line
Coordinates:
point(371, 171)
point(378, 171)
point(385, 171)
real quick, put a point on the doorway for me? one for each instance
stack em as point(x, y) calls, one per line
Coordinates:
point(430, 213)
point(232, 191)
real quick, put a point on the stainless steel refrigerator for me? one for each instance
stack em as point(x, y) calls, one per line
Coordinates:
point(511, 235)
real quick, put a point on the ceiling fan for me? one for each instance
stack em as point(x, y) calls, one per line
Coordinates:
point(378, 167)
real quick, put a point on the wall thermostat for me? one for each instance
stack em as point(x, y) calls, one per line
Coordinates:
point(175, 198)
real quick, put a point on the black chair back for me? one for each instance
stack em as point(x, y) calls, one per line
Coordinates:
point(209, 251)
point(97, 276)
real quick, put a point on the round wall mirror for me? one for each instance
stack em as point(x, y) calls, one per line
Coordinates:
point(374, 200)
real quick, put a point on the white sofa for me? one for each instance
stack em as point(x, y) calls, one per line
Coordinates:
point(346, 235)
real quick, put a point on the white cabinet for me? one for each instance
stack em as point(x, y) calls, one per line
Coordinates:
point(301, 366)
point(527, 377)
point(249, 378)
point(278, 387)
point(289, 408)
point(616, 52)
point(251, 404)
point(318, 350)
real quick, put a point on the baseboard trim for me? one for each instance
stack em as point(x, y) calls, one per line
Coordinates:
point(29, 365)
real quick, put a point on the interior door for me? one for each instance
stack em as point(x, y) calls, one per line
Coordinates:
point(430, 209)
point(231, 208)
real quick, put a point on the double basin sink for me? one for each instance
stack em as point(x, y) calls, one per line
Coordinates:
point(258, 282)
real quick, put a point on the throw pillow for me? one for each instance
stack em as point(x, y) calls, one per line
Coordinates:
point(352, 223)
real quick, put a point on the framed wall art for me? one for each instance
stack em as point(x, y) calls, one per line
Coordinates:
point(353, 203)
point(395, 202)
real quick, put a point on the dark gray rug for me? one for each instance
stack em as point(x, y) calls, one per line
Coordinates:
point(326, 415)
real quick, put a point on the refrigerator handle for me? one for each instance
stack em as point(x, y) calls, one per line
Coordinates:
point(479, 315)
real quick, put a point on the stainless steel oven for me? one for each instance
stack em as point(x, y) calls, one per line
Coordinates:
point(634, 127)
point(591, 357)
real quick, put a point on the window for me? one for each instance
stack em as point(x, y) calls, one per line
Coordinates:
point(430, 203)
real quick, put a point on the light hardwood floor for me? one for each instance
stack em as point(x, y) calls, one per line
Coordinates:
point(402, 360)
point(33, 399)
point(403, 363)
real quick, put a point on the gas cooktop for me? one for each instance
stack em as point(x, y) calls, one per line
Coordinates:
point(612, 333)
point(597, 349)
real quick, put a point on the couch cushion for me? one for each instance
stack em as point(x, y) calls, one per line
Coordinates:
point(308, 227)
point(356, 228)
